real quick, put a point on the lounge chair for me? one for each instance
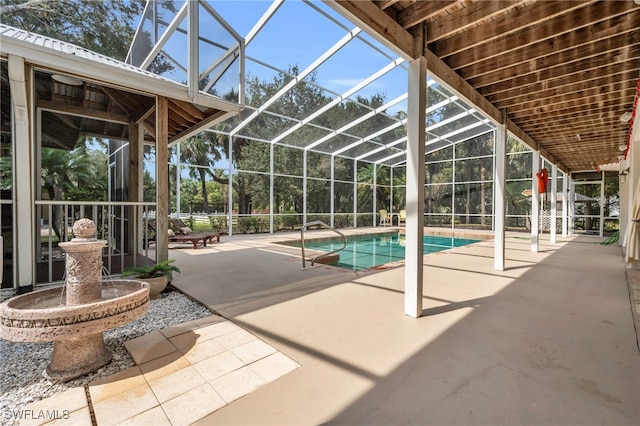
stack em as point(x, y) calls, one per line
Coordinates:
point(183, 234)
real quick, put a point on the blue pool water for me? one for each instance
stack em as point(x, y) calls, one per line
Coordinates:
point(364, 253)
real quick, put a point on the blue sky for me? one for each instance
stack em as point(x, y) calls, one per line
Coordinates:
point(298, 34)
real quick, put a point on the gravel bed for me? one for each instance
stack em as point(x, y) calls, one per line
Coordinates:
point(21, 379)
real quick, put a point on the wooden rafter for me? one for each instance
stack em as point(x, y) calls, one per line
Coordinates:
point(564, 71)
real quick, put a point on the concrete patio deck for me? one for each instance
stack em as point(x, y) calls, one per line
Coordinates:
point(550, 340)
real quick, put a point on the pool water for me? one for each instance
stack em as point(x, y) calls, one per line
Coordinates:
point(365, 253)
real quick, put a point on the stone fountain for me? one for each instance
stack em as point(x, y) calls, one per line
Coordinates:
point(76, 316)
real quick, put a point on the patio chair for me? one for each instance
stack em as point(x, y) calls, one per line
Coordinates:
point(180, 228)
point(185, 234)
point(385, 218)
point(150, 236)
point(402, 218)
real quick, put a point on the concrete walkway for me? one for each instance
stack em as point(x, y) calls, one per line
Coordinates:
point(551, 340)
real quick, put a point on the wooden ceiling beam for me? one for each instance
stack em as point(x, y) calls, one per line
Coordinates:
point(576, 109)
point(174, 126)
point(188, 109)
point(567, 64)
point(384, 4)
point(466, 18)
point(567, 118)
point(585, 138)
point(174, 108)
point(149, 125)
point(565, 87)
point(583, 42)
point(83, 112)
point(570, 130)
point(421, 11)
point(455, 82)
point(575, 132)
point(213, 118)
point(366, 14)
point(595, 96)
point(513, 29)
point(134, 105)
point(177, 118)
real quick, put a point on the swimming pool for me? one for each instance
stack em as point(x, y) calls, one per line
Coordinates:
point(375, 250)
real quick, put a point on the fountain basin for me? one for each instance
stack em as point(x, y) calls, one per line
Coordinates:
point(42, 316)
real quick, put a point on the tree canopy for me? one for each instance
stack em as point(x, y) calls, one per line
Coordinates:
point(104, 26)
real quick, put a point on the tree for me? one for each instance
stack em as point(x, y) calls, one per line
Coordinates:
point(72, 175)
point(105, 26)
point(200, 153)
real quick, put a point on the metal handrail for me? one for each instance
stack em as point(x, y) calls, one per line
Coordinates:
point(324, 225)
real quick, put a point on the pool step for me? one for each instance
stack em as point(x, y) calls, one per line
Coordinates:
point(332, 259)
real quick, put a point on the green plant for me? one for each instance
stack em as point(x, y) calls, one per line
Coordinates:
point(153, 271)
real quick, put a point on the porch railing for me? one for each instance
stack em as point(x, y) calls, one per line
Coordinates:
point(122, 224)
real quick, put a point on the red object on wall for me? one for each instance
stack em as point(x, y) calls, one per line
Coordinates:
point(543, 178)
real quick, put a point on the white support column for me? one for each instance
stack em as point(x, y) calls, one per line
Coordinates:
point(178, 179)
point(391, 190)
point(535, 202)
point(565, 204)
point(375, 192)
point(572, 204)
point(23, 155)
point(601, 220)
point(304, 186)
point(193, 32)
point(499, 206)
point(271, 195)
point(230, 187)
point(554, 200)
point(415, 187)
point(140, 154)
point(355, 193)
point(627, 189)
point(333, 188)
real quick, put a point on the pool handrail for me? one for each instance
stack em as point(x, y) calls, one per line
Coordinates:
point(324, 225)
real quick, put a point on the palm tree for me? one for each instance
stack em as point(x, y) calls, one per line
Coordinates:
point(201, 153)
point(63, 172)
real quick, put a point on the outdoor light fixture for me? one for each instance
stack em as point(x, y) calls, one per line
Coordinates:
point(625, 117)
point(623, 178)
point(66, 79)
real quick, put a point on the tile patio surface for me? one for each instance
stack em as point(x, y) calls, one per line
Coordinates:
point(550, 340)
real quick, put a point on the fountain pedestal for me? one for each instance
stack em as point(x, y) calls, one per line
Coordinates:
point(73, 358)
point(76, 322)
point(77, 356)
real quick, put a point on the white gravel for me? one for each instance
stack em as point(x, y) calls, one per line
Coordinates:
point(22, 364)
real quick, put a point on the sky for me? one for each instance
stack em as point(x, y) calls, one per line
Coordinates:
point(297, 34)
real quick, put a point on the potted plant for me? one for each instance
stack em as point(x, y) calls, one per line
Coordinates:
point(158, 275)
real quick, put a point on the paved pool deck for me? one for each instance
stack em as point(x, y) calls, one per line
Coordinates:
point(551, 340)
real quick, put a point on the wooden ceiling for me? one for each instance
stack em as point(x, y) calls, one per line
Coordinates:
point(96, 110)
point(565, 71)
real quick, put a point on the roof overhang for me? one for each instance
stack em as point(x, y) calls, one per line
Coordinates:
point(73, 60)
